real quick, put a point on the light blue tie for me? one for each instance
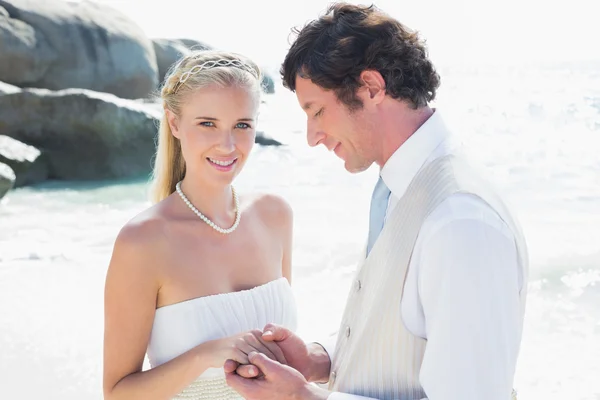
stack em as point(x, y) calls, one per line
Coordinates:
point(379, 203)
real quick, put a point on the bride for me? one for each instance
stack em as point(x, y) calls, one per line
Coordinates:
point(193, 279)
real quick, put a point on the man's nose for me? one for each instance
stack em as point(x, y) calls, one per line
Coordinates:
point(314, 136)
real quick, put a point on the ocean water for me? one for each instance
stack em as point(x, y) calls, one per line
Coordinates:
point(535, 131)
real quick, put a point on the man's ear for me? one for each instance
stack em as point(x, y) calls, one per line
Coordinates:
point(173, 122)
point(374, 84)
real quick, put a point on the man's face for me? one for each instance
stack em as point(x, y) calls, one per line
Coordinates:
point(349, 134)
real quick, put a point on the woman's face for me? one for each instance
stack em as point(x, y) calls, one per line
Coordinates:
point(216, 129)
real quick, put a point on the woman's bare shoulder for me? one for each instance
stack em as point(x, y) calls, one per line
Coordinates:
point(144, 238)
point(272, 208)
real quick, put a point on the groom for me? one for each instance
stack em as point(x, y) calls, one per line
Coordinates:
point(436, 309)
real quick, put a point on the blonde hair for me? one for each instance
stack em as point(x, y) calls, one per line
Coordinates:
point(195, 71)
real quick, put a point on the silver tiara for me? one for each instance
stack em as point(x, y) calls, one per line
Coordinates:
point(216, 63)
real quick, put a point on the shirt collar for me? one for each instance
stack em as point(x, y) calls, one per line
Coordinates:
point(411, 156)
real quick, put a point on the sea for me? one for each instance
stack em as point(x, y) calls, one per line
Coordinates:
point(533, 129)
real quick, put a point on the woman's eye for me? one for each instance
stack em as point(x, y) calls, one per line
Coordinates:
point(207, 123)
point(243, 125)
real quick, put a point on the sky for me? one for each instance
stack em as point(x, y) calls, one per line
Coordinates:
point(457, 31)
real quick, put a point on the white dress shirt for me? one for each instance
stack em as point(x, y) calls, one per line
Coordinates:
point(463, 283)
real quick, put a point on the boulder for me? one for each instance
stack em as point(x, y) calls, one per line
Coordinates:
point(5, 88)
point(7, 179)
point(169, 51)
point(268, 84)
point(261, 138)
point(83, 135)
point(26, 161)
point(264, 140)
point(55, 44)
point(79, 134)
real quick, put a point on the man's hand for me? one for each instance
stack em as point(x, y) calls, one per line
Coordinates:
point(279, 382)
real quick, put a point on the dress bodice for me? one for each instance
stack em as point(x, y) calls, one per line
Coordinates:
point(179, 327)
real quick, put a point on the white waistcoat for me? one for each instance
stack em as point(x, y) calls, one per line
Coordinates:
point(376, 356)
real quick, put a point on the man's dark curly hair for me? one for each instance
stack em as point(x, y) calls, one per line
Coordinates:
point(334, 49)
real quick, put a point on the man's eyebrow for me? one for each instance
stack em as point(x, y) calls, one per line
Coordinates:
point(307, 105)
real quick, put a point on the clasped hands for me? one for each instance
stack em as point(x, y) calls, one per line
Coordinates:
point(274, 343)
point(279, 366)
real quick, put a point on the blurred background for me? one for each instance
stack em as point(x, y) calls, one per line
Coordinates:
point(520, 88)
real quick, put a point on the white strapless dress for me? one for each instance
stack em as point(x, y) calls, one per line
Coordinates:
point(179, 327)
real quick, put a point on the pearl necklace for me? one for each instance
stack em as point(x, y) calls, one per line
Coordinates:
point(206, 219)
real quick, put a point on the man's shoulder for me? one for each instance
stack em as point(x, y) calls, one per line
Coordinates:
point(478, 195)
point(465, 208)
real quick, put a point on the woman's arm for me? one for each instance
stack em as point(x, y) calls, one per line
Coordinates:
point(287, 221)
point(277, 215)
point(131, 289)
